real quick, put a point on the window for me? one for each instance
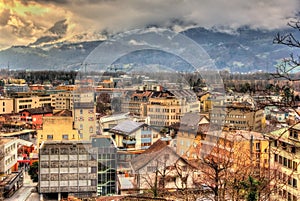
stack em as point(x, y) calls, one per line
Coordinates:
point(293, 150)
point(283, 144)
point(294, 166)
point(276, 157)
point(49, 137)
point(65, 137)
point(294, 183)
point(280, 159)
point(257, 146)
point(285, 161)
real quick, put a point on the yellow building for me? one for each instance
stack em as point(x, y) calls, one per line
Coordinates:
point(8, 155)
point(285, 159)
point(167, 108)
point(239, 116)
point(58, 127)
point(6, 105)
point(244, 149)
point(27, 102)
point(205, 102)
point(191, 125)
point(64, 100)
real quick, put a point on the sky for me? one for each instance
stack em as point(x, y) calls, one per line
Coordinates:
point(23, 22)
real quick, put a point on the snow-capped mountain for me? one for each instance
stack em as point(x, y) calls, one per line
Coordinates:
point(240, 50)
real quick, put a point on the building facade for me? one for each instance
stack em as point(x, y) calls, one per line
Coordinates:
point(131, 135)
point(27, 102)
point(57, 128)
point(84, 114)
point(6, 105)
point(168, 108)
point(107, 165)
point(8, 155)
point(285, 159)
point(64, 100)
point(238, 116)
point(68, 168)
point(34, 116)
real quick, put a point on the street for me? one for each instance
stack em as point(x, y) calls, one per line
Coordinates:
point(25, 192)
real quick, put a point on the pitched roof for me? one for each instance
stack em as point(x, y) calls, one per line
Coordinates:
point(153, 151)
point(126, 127)
point(190, 119)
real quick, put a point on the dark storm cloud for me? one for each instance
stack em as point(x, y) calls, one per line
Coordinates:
point(113, 16)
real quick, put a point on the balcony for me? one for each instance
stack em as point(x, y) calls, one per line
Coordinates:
point(129, 142)
point(146, 132)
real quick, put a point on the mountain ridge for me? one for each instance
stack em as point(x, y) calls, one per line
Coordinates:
point(241, 50)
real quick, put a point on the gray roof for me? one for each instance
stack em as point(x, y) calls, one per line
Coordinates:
point(126, 127)
point(190, 119)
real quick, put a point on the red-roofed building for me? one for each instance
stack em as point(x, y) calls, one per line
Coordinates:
point(34, 116)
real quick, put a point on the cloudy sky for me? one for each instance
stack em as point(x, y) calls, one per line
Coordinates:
point(25, 21)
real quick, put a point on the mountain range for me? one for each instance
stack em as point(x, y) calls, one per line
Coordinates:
point(241, 50)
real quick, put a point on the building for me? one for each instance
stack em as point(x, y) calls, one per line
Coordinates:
point(26, 134)
point(107, 165)
point(161, 166)
point(6, 105)
point(285, 159)
point(68, 168)
point(253, 149)
point(165, 109)
point(8, 155)
point(84, 114)
point(64, 100)
point(110, 121)
point(136, 102)
point(11, 88)
point(133, 135)
point(33, 100)
point(58, 127)
point(191, 125)
point(34, 116)
point(239, 116)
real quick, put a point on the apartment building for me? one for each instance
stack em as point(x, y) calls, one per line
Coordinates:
point(167, 108)
point(84, 114)
point(239, 116)
point(8, 155)
point(68, 168)
point(133, 135)
point(285, 159)
point(58, 127)
point(191, 125)
point(27, 102)
point(64, 100)
point(6, 105)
